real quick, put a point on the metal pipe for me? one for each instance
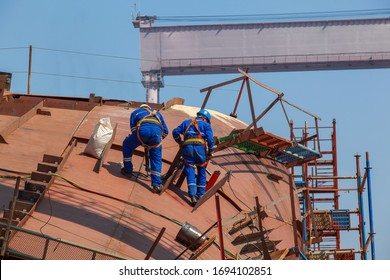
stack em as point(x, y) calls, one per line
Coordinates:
point(304, 224)
point(330, 177)
point(220, 233)
point(361, 208)
point(332, 252)
point(370, 211)
point(303, 257)
point(315, 189)
point(293, 214)
point(335, 173)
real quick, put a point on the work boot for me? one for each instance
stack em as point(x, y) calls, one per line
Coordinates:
point(156, 189)
point(193, 201)
point(127, 174)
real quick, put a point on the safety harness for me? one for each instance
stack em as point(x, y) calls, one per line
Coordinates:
point(151, 118)
point(194, 141)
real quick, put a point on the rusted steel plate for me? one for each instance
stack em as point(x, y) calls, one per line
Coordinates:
point(39, 135)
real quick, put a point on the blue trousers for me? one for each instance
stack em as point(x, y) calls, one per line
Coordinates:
point(150, 135)
point(194, 155)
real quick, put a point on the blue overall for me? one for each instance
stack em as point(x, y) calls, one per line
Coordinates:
point(151, 133)
point(195, 153)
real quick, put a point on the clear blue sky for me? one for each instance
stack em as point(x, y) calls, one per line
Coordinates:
point(358, 99)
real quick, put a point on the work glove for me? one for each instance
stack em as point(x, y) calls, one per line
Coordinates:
point(209, 155)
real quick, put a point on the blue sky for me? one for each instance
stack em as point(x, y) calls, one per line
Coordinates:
point(61, 32)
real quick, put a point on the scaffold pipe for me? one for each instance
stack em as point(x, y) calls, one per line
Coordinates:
point(361, 207)
point(370, 211)
point(330, 177)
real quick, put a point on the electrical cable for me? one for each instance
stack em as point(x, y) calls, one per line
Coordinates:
point(92, 54)
point(14, 171)
point(136, 205)
point(231, 188)
point(13, 48)
point(50, 214)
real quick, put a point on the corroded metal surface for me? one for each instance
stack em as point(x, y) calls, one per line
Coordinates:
point(111, 213)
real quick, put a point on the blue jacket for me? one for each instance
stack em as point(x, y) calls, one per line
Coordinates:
point(140, 113)
point(204, 128)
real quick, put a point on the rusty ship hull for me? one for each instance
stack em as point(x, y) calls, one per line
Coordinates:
point(62, 204)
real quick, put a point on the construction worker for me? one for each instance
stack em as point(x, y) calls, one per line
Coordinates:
point(197, 149)
point(148, 128)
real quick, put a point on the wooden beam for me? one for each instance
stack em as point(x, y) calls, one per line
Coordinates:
point(257, 82)
point(202, 248)
point(148, 255)
point(222, 84)
point(211, 192)
point(206, 99)
point(276, 92)
point(173, 101)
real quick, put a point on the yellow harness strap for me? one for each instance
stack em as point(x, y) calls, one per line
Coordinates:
point(198, 140)
point(151, 118)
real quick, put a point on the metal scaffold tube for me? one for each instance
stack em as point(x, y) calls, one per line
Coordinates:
point(370, 211)
point(361, 208)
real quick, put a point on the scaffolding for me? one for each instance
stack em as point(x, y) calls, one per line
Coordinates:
point(323, 218)
point(314, 168)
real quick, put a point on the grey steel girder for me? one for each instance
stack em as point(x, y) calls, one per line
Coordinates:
point(265, 47)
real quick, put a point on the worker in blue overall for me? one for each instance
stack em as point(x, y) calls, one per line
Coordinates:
point(197, 149)
point(148, 128)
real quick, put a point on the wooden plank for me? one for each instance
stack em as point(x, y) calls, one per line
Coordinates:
point(29, 196)
point(155, 243)
point(22, 205)
point(52, 159)
point(173, 101)
point(171, 179)
point(203, 248)
point(257, 82)
point(211, 192)
point(237, 226)
point(47, 167)
point(230, 200)
point(223, 84)
point(35, 186)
